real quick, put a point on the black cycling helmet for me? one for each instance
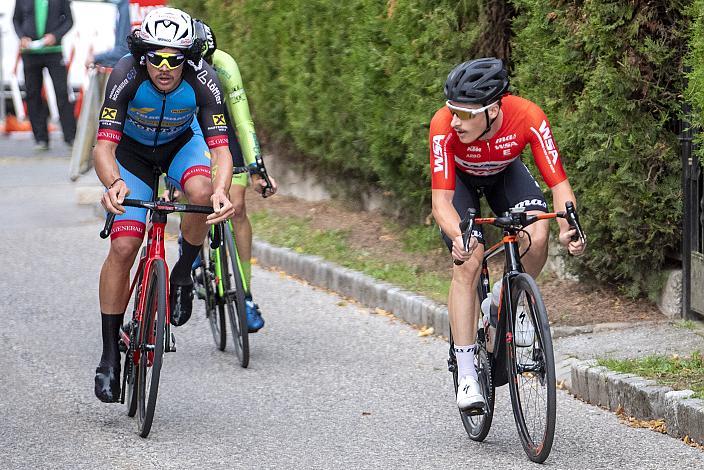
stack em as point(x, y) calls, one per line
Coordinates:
point(203, 32)
point(479, 81)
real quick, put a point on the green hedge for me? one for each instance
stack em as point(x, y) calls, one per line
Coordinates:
point(609, 75)
point(352, 86)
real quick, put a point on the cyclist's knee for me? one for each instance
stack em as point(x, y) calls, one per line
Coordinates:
point(468, 271)
point(198, 190)
point(539, 236)
point(124, 249)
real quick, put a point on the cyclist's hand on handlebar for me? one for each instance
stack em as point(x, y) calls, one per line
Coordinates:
point(260, 186)
point(114, 197)
point(222, 207)
point(575, 248)
point(458, 252)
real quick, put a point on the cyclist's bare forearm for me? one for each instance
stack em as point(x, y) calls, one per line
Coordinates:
point(445, 214)
point(105, 162)
point(561, 193)
point(221, 166)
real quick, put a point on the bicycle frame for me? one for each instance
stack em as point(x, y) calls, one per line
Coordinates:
point(155, 251)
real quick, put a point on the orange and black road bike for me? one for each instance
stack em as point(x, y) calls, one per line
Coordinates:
point(514, 345)
point(147, 336)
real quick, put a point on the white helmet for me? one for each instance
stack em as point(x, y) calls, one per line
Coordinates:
point(167, 27)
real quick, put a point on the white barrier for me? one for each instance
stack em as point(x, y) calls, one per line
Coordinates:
point(87, 125)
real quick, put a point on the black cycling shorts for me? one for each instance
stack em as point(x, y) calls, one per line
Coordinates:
point(513, 187)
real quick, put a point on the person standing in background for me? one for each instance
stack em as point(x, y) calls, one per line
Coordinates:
point(122, 30)
point(41, 25)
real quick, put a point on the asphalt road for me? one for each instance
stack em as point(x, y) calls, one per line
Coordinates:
point(330, 385)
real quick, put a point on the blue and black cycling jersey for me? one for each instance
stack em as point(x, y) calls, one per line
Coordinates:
point(133, 106)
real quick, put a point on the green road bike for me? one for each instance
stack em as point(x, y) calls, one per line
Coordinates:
point(220, 281)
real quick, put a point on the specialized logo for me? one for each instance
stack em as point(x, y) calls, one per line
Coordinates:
point(219, 119)
point(439, 157)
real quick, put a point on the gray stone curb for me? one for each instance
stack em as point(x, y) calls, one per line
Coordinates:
point(640, 398)
point(410, 307)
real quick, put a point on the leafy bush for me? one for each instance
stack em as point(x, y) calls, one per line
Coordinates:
point(608, 74)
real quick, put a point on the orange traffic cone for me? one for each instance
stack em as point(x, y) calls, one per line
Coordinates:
point(12, 124)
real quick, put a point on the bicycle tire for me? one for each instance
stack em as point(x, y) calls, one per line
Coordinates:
point(477, 426)
point(531, 366)
point(234, 297)
point(214, 312)
point(151, 346)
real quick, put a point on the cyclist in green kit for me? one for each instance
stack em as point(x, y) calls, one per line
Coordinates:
point(245, 150)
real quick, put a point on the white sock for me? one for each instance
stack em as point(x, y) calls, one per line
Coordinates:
point(465, 361)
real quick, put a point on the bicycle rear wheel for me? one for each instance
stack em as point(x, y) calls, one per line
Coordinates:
point(151, 346)
point(234, 296)
point(205, 286)
point(531, 369)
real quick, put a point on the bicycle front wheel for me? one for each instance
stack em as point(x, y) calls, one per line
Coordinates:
point(205, 286)
point(151, 346)
point(531, 368)
point(234, 296)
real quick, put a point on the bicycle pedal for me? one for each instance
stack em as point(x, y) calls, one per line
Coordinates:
point(200, 292)
point(172, 346)
point(122, 346)
point(451, 365)
point(475, 411)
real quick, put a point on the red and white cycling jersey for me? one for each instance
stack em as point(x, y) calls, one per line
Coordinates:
point(523, 123)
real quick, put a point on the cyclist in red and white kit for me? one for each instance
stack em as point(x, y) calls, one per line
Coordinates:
point(476, 140)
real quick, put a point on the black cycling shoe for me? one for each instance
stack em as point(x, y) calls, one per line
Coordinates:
point(181, 301)
point(107, 383)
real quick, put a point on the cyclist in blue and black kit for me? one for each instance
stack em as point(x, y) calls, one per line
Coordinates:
point(151, 99)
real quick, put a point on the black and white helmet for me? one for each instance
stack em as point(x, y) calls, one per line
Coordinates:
point(479, 81)
point(203, 32)
point(167, 27)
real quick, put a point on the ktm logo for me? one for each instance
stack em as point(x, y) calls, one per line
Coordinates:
point(219, 119)
point(109, 114)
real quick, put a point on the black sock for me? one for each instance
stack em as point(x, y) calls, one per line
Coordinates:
point(181, 273)
point(111, 335)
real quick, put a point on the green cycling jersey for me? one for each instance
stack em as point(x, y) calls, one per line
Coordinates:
point(237, 104)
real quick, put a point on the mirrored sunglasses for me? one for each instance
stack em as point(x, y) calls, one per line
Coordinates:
point(171, 60)
point(466, 113)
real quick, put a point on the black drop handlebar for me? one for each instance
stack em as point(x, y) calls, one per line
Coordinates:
point(163, 207)
point(517, 220)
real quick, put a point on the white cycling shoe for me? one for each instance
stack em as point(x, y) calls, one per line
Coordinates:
point(469, 395)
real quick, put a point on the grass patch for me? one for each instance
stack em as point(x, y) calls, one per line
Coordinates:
point(685, 324)
point(296, 233)
point(680, 373)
